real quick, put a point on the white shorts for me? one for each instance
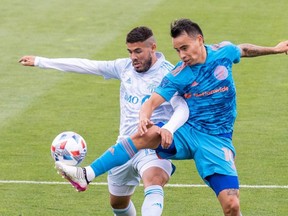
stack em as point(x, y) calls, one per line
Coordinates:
point(122, 180)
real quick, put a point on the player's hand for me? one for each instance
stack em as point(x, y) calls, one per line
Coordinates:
point(166, 138)
point(27, 60)
point(282, 47)
point(144, 124)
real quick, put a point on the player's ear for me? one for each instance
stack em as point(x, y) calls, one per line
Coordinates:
point(154, 47)
point(200, 39)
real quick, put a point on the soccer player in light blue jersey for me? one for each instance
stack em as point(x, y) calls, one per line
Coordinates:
point(204, 78)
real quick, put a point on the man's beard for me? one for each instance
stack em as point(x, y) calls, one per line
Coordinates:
point(146, 66)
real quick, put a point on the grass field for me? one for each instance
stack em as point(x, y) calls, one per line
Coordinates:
point(36, 105)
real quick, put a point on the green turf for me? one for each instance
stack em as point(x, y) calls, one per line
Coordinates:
point(36, 105)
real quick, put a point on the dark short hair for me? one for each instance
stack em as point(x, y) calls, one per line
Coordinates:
point(185, 25)
point(139, 34)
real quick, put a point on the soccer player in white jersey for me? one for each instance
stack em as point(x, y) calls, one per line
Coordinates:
point(139, 75)
point(204, 78)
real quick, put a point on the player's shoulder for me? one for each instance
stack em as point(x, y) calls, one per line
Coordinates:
point(166, 66)
point(222, 45)
point(179, 68)
point(123, 62)
point(226, 48)
point(123, 65)
point(163, 63)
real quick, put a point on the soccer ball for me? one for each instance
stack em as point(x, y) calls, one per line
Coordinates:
point(69, 148)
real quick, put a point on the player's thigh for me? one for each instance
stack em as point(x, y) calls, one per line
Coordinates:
point(122, 180)
point(220, 182)
point(214, 155)
point(182, 147)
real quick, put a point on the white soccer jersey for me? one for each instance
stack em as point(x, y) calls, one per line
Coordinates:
point(135, 87)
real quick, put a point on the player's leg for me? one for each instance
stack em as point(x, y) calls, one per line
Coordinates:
point(153, 180)
point(229, 200)
point(122, 181)
point(214, 160)
point(117, 155)
point(226, 189)
point(122, 205)
point(125, 150)
point(155, 173)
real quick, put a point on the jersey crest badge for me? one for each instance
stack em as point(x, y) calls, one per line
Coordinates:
point(221, 73)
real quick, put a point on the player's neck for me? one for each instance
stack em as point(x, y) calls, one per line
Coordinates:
point(154, 59)
point(203, 55)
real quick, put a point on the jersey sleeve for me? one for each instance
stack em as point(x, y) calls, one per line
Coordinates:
point(176, 81)
point(233, 51)
point(166, 89)
point(107, 69)
point(237, 54)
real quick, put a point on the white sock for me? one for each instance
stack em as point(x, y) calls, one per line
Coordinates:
point(90, 174)
point(154, 201)
point(129, 211)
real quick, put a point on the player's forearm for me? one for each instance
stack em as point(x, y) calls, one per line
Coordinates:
point(180, 115)
point(150, 105)
point(146, 111)
point(250, 50)
point(68, 65)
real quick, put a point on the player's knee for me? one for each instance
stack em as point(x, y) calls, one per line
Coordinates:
point(155, 176)
point(159, 180)
point(229, 200)
point(232, 206)
point(118, 202)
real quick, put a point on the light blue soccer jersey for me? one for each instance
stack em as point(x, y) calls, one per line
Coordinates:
point(208, 88)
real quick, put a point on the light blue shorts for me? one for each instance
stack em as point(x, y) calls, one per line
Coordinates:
point(211, 153)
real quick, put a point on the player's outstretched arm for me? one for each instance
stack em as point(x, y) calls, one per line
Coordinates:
point(27, 60)
point(251, 50)
point(108, 69)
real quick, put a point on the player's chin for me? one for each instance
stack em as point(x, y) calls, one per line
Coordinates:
point(139, 69)
point(188, 62)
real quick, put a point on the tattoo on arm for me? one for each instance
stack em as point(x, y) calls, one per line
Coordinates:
point(250, 50)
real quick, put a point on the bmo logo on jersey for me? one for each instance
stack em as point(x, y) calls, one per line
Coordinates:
point(134, 99)
point(131, 99)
